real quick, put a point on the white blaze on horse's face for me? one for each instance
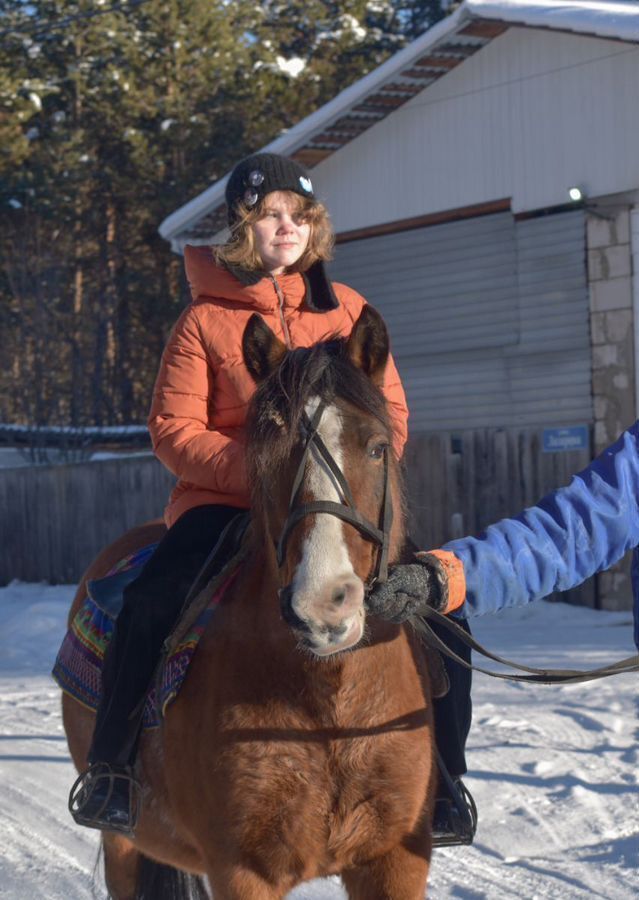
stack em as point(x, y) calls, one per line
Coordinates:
point(326, 594)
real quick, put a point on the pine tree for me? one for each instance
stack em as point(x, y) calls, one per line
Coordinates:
point(112, 115)
point(123, 116)
point(332, 44)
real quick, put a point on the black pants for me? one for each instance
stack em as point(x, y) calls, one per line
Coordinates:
point(152, 605)
point(453, 713)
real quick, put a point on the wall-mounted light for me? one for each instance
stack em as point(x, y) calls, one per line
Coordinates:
point(578, 195)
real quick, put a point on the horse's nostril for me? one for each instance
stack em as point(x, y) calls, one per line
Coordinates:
point(346, 590)
point(339, 595)
point(288, 613)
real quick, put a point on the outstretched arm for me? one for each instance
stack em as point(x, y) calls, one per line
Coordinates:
point(572, 533)
point(568, 536)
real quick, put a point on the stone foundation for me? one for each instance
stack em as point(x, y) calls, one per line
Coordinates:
point(613, 355)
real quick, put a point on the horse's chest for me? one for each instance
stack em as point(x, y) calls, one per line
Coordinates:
point(378, 792)
point(331, 800)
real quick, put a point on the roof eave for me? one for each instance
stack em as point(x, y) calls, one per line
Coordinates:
point(608, 19)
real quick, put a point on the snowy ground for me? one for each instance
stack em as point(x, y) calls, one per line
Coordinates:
point(555, 770)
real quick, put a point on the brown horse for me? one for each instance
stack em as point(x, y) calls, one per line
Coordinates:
point(300, 744)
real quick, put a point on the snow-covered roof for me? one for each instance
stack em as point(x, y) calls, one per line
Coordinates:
point(602, 18)
point(410, 71)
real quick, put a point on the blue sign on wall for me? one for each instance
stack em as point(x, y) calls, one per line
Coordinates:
point(561, 440)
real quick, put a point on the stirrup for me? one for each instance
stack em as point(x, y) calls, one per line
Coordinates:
point(106, 797)
point(462, 816)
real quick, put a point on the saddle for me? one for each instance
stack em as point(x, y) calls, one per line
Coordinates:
point(108, 592)
point(78, 665)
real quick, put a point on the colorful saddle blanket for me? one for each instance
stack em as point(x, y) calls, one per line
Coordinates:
point(78, 666)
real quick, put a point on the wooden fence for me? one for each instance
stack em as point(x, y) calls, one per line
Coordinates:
point(55, 519)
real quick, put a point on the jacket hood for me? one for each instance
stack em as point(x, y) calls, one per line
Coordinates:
point(208, 279)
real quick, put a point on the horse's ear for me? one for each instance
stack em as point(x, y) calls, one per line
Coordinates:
point(262, 350)
point(368, 345)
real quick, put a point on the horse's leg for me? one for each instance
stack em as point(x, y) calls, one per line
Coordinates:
point(402, 872)
point(121, 863)
point(240, 883)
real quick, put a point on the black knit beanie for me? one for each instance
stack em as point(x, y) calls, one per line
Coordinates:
point(249, 182)
point(256, 176)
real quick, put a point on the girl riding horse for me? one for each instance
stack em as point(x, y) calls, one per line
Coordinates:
point(272, 265)
point(300, 745)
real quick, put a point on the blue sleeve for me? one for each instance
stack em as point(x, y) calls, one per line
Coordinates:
point(635, 593)
point(572, 533)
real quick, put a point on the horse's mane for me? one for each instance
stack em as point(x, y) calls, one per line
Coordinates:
point(323, 371)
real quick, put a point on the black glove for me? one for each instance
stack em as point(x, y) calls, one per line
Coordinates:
point(409, 590)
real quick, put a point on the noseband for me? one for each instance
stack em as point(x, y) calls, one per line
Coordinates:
point(345, 510)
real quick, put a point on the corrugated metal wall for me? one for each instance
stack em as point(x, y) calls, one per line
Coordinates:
point(488, 317)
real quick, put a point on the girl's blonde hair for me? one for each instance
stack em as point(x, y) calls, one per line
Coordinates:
point(240, 249)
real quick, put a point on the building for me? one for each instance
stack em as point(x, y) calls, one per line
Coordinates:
point(484, 186)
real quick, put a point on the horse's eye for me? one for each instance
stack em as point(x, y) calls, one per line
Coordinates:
point(377, 451)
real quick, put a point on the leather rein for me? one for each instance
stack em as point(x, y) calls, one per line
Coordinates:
point(534, 675)
point(345, 509)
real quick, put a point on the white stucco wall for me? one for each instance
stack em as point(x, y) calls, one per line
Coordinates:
point(532, 114)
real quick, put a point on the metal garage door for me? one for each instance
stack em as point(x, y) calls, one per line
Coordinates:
point(488, 318)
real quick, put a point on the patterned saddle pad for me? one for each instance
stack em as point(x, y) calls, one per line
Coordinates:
point(78, 666)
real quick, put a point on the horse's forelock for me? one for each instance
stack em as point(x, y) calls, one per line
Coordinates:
point(278, 405)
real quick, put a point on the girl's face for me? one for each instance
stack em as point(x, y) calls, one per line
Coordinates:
point(281, 235)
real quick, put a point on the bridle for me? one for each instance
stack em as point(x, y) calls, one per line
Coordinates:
point(380, 535)
point(346, 509)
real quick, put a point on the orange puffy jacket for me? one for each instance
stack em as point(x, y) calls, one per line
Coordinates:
point(203, 388)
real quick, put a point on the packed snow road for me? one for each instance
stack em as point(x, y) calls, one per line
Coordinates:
point(555, 770)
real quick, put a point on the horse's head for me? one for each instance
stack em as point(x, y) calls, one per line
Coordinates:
point(325, 480)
